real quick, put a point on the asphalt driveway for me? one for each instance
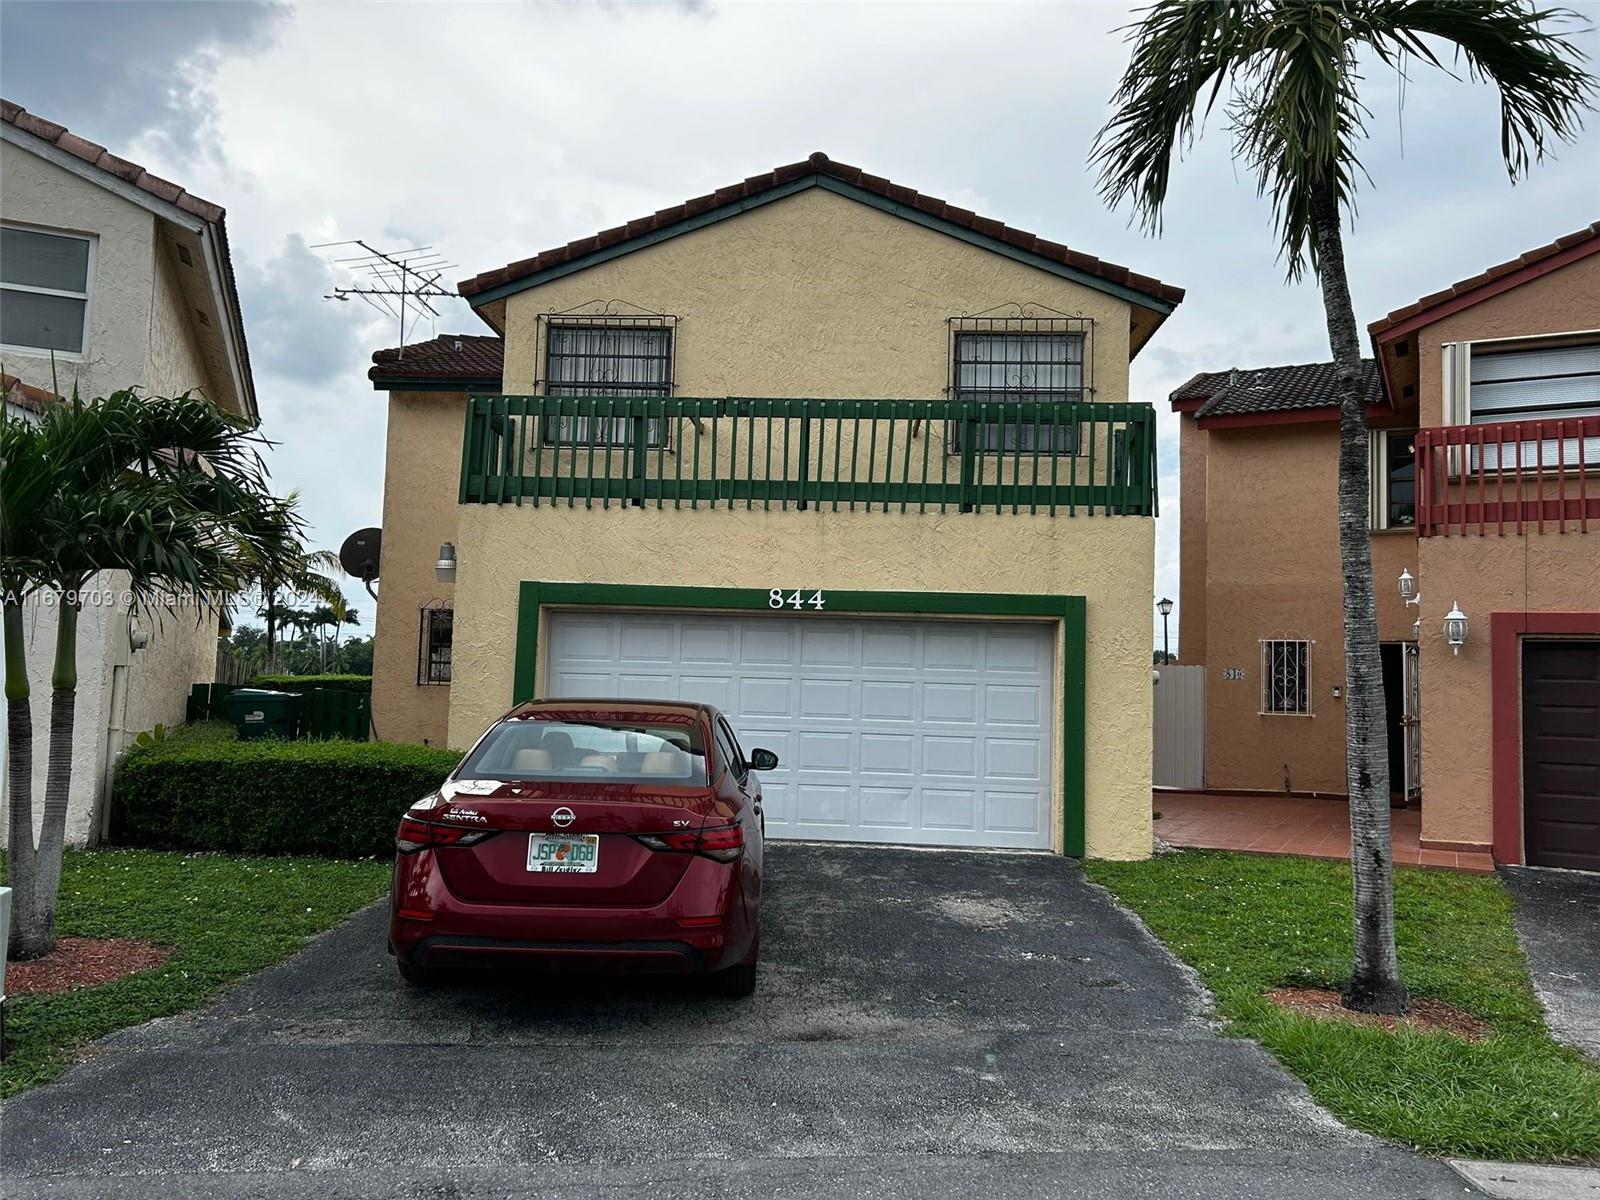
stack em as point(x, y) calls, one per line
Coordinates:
point(927, 1025)
point(1558, 920)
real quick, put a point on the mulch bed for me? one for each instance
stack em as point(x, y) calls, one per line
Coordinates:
point(82, 962)
point(1426, 1016)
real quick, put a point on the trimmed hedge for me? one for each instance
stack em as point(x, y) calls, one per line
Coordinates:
point(305, 683)
point(338, 799)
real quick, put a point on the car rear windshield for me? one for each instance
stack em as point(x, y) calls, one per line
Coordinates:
point(615, 751)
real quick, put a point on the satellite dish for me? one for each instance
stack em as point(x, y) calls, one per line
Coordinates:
point(359, 554)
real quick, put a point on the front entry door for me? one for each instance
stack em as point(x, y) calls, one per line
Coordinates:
point(1411, 720)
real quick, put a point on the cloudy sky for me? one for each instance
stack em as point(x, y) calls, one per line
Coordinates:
point(496, 130)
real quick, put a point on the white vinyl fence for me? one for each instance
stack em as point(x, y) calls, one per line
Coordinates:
point(1180, 727)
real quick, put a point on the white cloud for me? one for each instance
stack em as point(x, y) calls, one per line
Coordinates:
point(497, 130)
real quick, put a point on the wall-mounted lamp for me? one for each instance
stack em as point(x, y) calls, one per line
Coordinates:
point(1455, 628)
point(138, 635)
point(1408, 588)
point(445, 568)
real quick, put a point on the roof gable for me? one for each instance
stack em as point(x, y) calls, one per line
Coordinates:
point(167, 200)
point(844, 180)
point(1486, 284)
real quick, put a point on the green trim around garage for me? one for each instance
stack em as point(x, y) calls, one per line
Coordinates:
point(839, 187)
point(1071, 611)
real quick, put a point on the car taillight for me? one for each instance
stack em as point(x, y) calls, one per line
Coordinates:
point(417, 835)
point(721, 842)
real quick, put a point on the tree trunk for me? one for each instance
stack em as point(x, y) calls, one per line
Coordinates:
point(21, 860)
point(1375, 985)
point(36, 917)
point(270, 612)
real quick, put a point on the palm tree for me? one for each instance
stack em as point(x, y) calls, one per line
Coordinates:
point(168, 491)
point(282, 568)
point(1291, 69)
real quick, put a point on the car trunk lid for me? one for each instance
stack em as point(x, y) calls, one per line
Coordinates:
point(556, 826)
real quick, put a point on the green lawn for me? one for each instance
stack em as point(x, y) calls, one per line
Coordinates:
point(1250, 923)
point(226, 915)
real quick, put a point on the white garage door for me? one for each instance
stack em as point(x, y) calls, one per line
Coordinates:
point(931, 732)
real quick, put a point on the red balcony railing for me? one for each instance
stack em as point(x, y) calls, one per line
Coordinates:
point(1509, 478)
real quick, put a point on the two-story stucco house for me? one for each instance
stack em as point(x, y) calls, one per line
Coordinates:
point(111, 277)
point(1485, 405)
point(853, 464)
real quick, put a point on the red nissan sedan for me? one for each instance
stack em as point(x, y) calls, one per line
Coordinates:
point(607, 834)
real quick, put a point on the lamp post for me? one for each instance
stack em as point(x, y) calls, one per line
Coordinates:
point(1164, 607)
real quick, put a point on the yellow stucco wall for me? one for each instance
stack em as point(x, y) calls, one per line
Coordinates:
point(1549, 572)
point(1109, 560)
point(422, 479)
point(810, 296)
point(817, 295)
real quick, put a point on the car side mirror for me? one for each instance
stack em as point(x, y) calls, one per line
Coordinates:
point(763, 760)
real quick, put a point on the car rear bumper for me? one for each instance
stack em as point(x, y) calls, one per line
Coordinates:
point(702, 925)
point(654, 958)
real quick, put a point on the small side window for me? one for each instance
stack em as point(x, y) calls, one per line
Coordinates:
point(729, 747)
point(434, 644)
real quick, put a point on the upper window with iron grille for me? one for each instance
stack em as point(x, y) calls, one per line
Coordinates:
point(1021, 368)
point(606, 360)
point(1285, 677)
point(434, 645)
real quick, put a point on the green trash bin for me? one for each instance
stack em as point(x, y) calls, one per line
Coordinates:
point(261, 713)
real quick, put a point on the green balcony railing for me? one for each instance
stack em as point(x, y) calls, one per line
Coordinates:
point(1065, 458)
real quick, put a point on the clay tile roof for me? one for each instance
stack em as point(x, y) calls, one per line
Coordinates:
point(469, 357)
point(821, 164)
point(97, 155)
point(1271, 389)
point(25, 395)
point(1499, 271)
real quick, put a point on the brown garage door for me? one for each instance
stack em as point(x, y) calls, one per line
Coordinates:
point(1561, 753)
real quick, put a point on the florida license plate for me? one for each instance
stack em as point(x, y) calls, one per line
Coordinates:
point(565, 854)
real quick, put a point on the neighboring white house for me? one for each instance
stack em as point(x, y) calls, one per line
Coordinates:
point(111, 277)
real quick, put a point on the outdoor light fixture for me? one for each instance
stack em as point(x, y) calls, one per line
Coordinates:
point(1408, 588)
point(1164, 607)
point(445, 568)
point(1455, 628)
point(138, 635)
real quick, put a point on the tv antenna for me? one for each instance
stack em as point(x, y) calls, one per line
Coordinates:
point(402, 284)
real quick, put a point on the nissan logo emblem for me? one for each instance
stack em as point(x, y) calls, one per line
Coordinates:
point(562, 817)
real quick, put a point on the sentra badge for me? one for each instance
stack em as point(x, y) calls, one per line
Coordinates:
point(466, 814)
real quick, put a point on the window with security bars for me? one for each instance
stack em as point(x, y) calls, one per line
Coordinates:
point(1285, 677)
point(606, 360)
point(1020, 368)
point(434, 645)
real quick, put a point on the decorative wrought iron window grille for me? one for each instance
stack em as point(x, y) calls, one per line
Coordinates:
point(434, 642)
point(607, 348)
point(1021, 354)
point(1285, 677)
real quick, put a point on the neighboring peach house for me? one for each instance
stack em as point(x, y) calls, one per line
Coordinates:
point(112, 278)
point(855, 465)
point(1485, 406)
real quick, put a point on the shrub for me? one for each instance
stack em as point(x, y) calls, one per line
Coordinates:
point(305, 683)
point(335, 798)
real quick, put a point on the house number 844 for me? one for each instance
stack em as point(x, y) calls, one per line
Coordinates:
point(776, 599)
